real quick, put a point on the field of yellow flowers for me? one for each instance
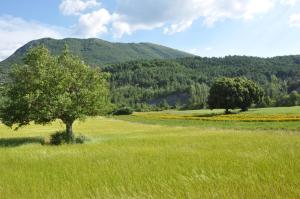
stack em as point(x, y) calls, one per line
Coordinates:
point(291, 114)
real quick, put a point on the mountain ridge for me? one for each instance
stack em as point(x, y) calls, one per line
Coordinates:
point(97, 52)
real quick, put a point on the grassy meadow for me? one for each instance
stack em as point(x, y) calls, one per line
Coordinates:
point(170, 154)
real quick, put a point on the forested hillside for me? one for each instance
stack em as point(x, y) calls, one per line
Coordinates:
point(186, 81)
point(146, 76)
point(97, 52)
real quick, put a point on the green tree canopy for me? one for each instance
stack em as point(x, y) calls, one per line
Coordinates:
point(231, 93)
point(47, 88)
point(248, 93)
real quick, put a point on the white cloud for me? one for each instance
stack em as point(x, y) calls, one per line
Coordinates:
point(173, 16)
point(15, 32)
point(178, 27)
point(289, 2)
point(177, 16)
point(294, 20)
point(95, 23)
point(75, 7)
point(254, 7)
point(121, 26)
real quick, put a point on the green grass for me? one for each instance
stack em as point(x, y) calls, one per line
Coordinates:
point(130, 159)
point(237, 125)
point(266, 111)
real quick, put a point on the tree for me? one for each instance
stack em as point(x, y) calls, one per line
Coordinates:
point(294, 98)
point(164, 104)
point(231, 93)
point(276, 89)
point(199, 94)
point(248, 93)
point(47, 88)
point(223, 94)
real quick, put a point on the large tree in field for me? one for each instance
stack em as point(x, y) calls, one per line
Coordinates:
point(248, 93)
point(231, 93)
point(47, 88)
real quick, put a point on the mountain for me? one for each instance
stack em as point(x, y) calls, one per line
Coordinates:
point(97, 52)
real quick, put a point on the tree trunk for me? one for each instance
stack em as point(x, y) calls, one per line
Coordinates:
point(227, 111)
point(69, 131)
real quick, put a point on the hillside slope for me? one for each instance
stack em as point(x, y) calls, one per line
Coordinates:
point(186, 80)
point(100, 52)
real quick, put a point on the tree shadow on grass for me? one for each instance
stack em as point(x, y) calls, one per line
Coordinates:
point(16, 142)
point(208, 115)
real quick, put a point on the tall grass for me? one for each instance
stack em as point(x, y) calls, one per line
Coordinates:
point(286, 118)
point(135, 160)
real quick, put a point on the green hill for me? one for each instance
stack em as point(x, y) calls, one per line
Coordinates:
point(100, 52)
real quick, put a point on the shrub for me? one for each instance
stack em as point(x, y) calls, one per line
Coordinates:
point(123, 111)
point(61, 137)
point(81, 139)
point(143, 107)
point(164, 105)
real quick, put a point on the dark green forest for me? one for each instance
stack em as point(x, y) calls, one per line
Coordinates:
point(185, 82)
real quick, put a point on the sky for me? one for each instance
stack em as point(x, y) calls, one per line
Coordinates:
point(212, 28)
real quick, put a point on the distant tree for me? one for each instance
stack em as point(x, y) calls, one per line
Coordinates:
point(223, 94)
point(199, 94)
point(177, 105)
point(47, 88)
point(164, 104)
point(294, 98)
point(231, 93)
point(277, 90)
point(248, 93)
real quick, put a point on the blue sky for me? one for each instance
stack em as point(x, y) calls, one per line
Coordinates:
point(204, 27)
